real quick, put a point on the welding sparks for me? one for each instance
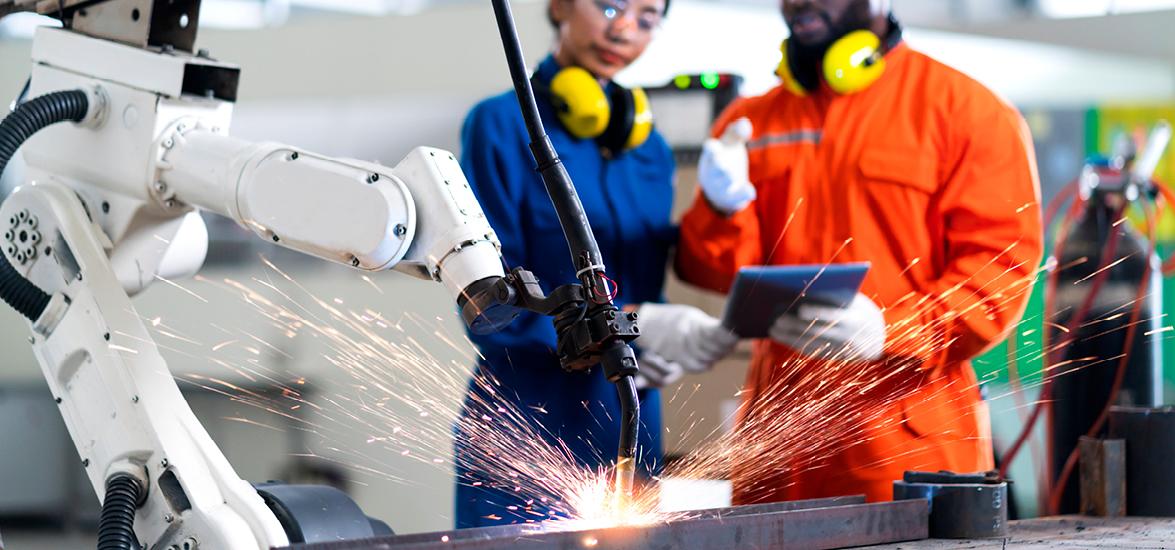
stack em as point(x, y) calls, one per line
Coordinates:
point(404, 396)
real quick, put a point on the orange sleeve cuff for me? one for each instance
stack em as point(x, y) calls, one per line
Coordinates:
point(713, 247)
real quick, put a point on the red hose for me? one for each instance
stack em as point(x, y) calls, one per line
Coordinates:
point(1050, 287)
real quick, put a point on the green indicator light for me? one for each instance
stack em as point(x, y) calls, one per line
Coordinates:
point(681, 81)
point(709, 80)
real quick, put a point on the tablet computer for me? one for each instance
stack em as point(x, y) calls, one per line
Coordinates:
point(762, 293)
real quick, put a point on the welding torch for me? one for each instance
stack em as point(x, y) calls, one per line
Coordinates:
point(590, 328)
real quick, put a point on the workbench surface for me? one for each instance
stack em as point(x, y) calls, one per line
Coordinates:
point(1066, 532)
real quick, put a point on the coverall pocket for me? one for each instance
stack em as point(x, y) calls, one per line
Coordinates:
point(901, 166)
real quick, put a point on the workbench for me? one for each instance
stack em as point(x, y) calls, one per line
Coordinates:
point(1066, 532)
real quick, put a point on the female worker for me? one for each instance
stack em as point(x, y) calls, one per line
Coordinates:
point(623, 172)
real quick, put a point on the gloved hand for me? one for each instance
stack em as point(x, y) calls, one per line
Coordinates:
point(849, 333)
point(723, 169)
point(656, 372)
point(684, 335)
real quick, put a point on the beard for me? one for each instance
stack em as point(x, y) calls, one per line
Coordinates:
point(808, 58)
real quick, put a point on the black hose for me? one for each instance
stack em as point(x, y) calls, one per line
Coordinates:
point(27, 119)
point(620, 363)
point(116, 525)
point(630, 417)
point(585, 252)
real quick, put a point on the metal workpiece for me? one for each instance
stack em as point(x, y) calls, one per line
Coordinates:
point(1103, 476)
point(785, 525)
point(962, 506)
point(1150, 445)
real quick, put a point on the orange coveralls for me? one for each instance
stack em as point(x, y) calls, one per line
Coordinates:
point(931, 178)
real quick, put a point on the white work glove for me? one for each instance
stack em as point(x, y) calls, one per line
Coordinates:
point(850, 333)
point(723, 169)
point(657, 372)
point(684, 335)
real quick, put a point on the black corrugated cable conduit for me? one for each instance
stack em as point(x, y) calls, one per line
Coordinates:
point(116, 525)
point(29, 118)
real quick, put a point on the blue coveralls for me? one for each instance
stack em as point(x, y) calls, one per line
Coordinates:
point(628, 200)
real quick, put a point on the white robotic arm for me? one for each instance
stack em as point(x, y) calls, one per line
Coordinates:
point(111, 204)
point(419, 217)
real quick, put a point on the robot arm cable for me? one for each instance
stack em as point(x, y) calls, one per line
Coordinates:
point(27, 119)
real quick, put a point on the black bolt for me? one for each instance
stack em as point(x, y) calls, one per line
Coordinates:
point(85, 463)
point(276, 239)
point(106, 336)
point(294, 155)
point(400, 230)
point(57, 400)
point(355, 262)
point(105, 207)
point(373, 178)
point(48, 251)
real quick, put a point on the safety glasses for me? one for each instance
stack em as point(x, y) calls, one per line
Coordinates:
point(646, 21)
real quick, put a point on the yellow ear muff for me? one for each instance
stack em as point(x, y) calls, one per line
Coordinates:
point(583, 108)
point(784, 73)
point(854, 62)
point(642, 119)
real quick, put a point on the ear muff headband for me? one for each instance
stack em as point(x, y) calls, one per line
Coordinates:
point(620, 125)
point(785, 73)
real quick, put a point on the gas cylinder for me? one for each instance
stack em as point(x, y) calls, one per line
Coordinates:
point(1089, 361)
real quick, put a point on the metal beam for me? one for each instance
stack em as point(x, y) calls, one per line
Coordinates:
point(830, 524)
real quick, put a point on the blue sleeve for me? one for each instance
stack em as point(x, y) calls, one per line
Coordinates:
point(499, 171)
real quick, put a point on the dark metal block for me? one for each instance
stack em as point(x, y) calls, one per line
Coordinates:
point(1150, 470)
point(1103, 477)
point(962, 506)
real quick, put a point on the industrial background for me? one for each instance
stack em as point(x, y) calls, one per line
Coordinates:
point(371, 79)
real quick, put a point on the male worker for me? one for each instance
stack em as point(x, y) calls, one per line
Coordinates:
point(868, 151)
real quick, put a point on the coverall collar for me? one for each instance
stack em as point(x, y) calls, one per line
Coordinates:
point(547, 69)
